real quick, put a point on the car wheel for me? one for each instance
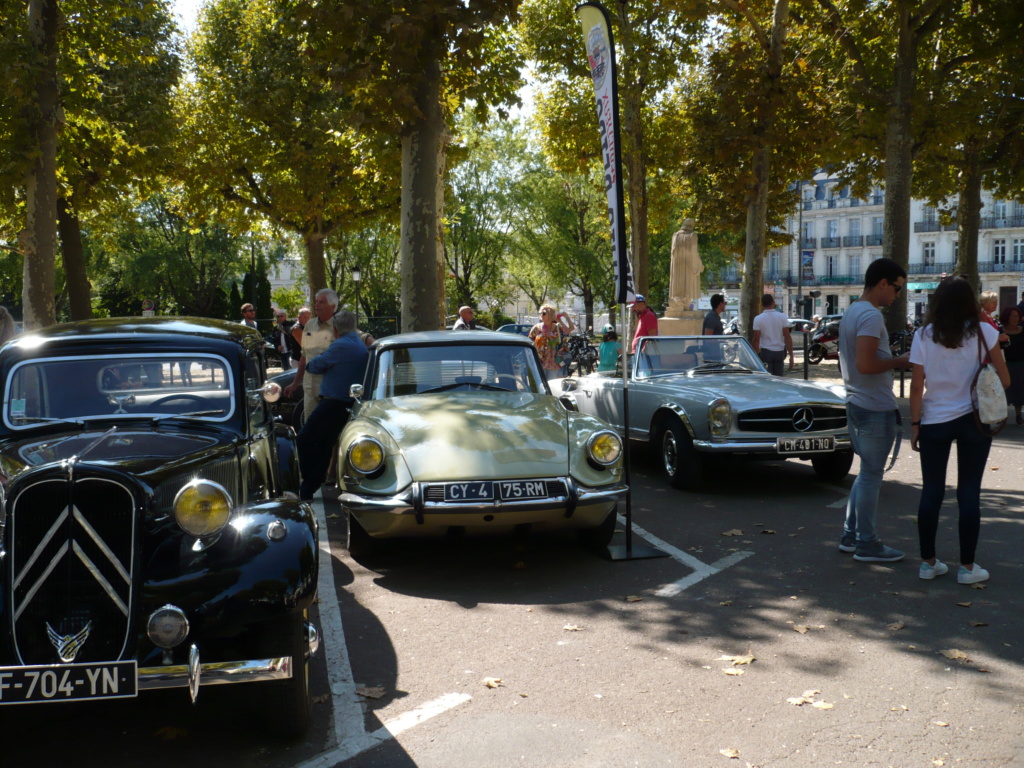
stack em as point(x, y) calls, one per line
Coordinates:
point(287, 702)
point(815, 354)
point(361, 545)
point(300, 409)
point(833, 467)
point(680, 461)
point(599, 538)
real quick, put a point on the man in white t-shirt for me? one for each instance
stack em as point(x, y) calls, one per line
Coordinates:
point(772, 337)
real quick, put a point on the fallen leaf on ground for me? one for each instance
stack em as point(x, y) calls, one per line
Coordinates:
point(896, 626)
point(169, 732)
point(979, 586)
point(810, 693)
point(731, 753)
point(493, 682)
point(799, 701)
point(800, 628)
point(572, 628)
point(633, 598)
point(726, 602)
point(982, 669)
point(954, 653)
point(737, 660)
point(965, 605)
point(733, 532)
point(941, 724)
point(524, 695)
point(821, 705)
point(371, 692)
point(978, 623)
point(938, 761)
point(768, 530)
point(732, 671)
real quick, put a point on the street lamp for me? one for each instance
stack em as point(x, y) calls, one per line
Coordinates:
point(357, 275)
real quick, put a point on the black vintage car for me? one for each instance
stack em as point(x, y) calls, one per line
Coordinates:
point(152, 534)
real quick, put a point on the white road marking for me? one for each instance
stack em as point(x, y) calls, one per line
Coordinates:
point(701, 570)
point(349, 736)
point(841, 504)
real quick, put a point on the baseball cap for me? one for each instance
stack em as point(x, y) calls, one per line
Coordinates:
point(639, 297)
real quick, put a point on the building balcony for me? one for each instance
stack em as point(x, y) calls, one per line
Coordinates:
point(929, 225)
point(934, 268)
point(1001, 266)
point(809, 243)
point(853, 241)
point(830, 242)
point(872, 239)
point(838, 279)
point(1001, 222)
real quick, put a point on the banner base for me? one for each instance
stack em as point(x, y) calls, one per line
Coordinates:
point(617, 552)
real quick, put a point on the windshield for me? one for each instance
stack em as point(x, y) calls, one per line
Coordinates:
point(90, 388)
point(473, 367)
point(662, 356)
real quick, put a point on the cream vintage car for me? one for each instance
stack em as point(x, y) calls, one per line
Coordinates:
point(693, 398)
point(457, 432)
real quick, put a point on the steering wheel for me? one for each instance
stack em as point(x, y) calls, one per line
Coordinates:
point(183, 396)
point(517, 384)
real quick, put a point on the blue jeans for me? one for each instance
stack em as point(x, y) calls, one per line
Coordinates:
point(972, 449)
point(872, 434)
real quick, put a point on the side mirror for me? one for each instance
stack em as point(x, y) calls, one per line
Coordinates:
point(569, 385)
point(355, 391)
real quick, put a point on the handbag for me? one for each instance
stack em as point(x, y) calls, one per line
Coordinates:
point(988, 395)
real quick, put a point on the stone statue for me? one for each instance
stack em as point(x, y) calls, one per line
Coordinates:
point(686, 266)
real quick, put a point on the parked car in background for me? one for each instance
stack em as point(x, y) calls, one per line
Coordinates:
point(457, 433)
point(696, 397)
point(523, 329)
point(800, 325)
point(288, 410)
point(152, 536)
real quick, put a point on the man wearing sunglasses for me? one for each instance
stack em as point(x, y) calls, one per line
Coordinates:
point(871, 410)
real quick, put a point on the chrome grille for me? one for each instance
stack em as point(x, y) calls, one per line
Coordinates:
point(72, 546)
point(553, 488)
point(781, 420)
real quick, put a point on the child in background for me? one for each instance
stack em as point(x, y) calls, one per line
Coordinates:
point(609, 351)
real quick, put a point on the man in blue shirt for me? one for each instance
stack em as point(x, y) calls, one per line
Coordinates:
point(342, 364)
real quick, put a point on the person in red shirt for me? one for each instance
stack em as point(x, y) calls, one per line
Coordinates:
point(646, 320)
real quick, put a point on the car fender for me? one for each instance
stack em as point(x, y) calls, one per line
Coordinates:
point(287, 458)
point(662, 412)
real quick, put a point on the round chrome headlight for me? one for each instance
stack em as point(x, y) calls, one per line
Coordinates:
point(720, 417)
point(366, 455)
point(605, 448)
point(167, 626)
point(202, 508)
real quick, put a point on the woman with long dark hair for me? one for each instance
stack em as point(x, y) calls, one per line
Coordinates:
point(946, 355)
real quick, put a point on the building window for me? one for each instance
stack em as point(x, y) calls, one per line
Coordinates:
point(1018, 212)
point(854, 227)
point(855, 267)
point(999, 209)
point(1018, 251)
point(833, 266)
point(833, 229)
point(928, 254)
point(808, 230)
point(928, 213)
point(999, 251)
point(876, 225)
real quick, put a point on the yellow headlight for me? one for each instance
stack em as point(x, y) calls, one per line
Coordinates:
point(366, 455)
point(202, 508)
point(605, 448)
point(720, 417)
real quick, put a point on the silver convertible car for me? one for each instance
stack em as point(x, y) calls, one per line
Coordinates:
point(695, 397)
point(456, 432)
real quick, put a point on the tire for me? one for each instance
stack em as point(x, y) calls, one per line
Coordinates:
point(287, 704)
point(596, 539)
point(833, 467)
point(361, 545)
point(815, 354)
point(682, 465)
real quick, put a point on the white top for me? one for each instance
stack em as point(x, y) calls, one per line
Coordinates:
point(771, 324)
point(948, 373)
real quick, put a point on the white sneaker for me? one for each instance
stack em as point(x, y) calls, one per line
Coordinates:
point(973, 576)
point(931, 571)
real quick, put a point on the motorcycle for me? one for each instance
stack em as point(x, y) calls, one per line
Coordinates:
point(824, 343)
point(582, 356)
point(732, 328)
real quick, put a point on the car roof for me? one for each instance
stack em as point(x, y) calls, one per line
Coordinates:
point(450, 337)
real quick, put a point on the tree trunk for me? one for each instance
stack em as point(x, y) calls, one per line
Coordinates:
point(79, 289)
point(420, 214)
point(968, 219)
point(442, 267)
point(899, 164)
point(39, 238)
point(316, 266)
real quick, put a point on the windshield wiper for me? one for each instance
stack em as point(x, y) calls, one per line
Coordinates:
point(188, 415)
point(481, 385)
point(716, 366)
point(48, 420)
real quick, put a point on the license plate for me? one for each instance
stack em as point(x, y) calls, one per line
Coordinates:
point(475, 491)
point(522, 489)
point(786, 445)
point(68, 682)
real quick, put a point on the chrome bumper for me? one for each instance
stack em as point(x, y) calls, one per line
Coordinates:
point(411, 501)
point(758, 446)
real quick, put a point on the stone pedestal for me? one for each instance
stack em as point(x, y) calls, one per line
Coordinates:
point(685, 322)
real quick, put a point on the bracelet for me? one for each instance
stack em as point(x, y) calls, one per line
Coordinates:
point(915, 423)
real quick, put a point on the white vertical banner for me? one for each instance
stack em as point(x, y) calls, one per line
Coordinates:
point(597, 34)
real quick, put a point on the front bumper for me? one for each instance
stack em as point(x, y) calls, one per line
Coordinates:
point(409, 513)
point(761, 446)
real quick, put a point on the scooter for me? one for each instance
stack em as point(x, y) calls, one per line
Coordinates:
point(824, 343)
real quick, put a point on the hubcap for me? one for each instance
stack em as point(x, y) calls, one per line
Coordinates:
point(670, 453)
